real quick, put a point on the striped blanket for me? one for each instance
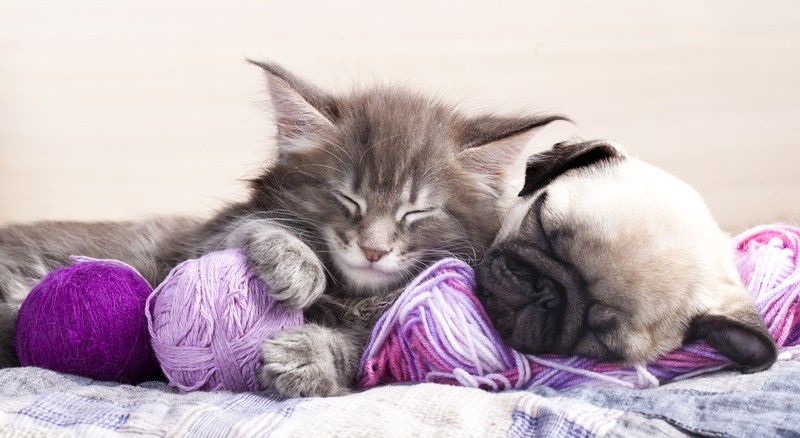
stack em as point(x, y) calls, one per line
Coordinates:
point(36, 402)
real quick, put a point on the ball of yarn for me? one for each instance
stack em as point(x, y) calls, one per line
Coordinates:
point(208, 319)
point(88, 319)
point(437, 330)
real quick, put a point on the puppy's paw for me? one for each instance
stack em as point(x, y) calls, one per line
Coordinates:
point(308, 361)
point(292, 270)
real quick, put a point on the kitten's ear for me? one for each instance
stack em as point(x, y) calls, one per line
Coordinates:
point(303, 112)
point(740, 334)
point(544, 167)
point(492, 144)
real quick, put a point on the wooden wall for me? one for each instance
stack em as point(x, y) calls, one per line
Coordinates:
point(129, 108)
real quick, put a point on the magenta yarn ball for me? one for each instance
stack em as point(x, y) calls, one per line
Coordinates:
point(207, 321)
point(88, 319)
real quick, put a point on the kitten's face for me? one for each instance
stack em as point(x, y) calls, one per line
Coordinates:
point(392, 181)
point(394, 219)
point(386, 189)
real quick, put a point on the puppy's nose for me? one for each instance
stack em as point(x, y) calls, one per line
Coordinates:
point(374, 254)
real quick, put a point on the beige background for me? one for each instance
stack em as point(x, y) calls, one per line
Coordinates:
point(128, 108)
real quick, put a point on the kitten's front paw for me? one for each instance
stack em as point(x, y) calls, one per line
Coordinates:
point(308, 361)
point(292, 270)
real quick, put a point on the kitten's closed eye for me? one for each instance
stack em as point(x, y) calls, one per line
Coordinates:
point(352, 205)
point(415, 215)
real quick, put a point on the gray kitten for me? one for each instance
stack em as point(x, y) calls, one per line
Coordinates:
point(367, 190)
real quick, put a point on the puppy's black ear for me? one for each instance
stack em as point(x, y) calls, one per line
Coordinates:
point(743, 339)
point(546, 166)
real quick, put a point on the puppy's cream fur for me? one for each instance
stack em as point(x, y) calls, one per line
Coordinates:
point(656, 268)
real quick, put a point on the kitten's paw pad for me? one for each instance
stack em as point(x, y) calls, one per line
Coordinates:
point(306, 361)
point(292, 270)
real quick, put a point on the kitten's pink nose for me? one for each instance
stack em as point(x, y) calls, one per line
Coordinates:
point(373, 254)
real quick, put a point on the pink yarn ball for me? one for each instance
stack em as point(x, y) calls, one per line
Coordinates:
point(88, 319)
point(437, 330)
point(208, 319)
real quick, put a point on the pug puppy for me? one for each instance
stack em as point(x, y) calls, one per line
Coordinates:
point(608, 257)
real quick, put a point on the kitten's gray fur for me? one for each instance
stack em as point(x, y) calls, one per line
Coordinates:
point(367, 190)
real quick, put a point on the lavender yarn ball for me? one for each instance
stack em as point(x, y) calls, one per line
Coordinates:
point(208, 319)
point(88, 319)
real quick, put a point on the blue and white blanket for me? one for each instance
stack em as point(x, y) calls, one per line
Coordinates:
point(35, 402)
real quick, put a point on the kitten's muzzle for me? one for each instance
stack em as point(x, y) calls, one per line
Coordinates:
point(374, 254)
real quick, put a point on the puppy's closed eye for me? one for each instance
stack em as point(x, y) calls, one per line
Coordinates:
point(603, 319)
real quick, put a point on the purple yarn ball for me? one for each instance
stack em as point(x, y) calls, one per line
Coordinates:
point(208, 319)
point(88, 319)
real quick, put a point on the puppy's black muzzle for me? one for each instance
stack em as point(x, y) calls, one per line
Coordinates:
point(528, 298)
